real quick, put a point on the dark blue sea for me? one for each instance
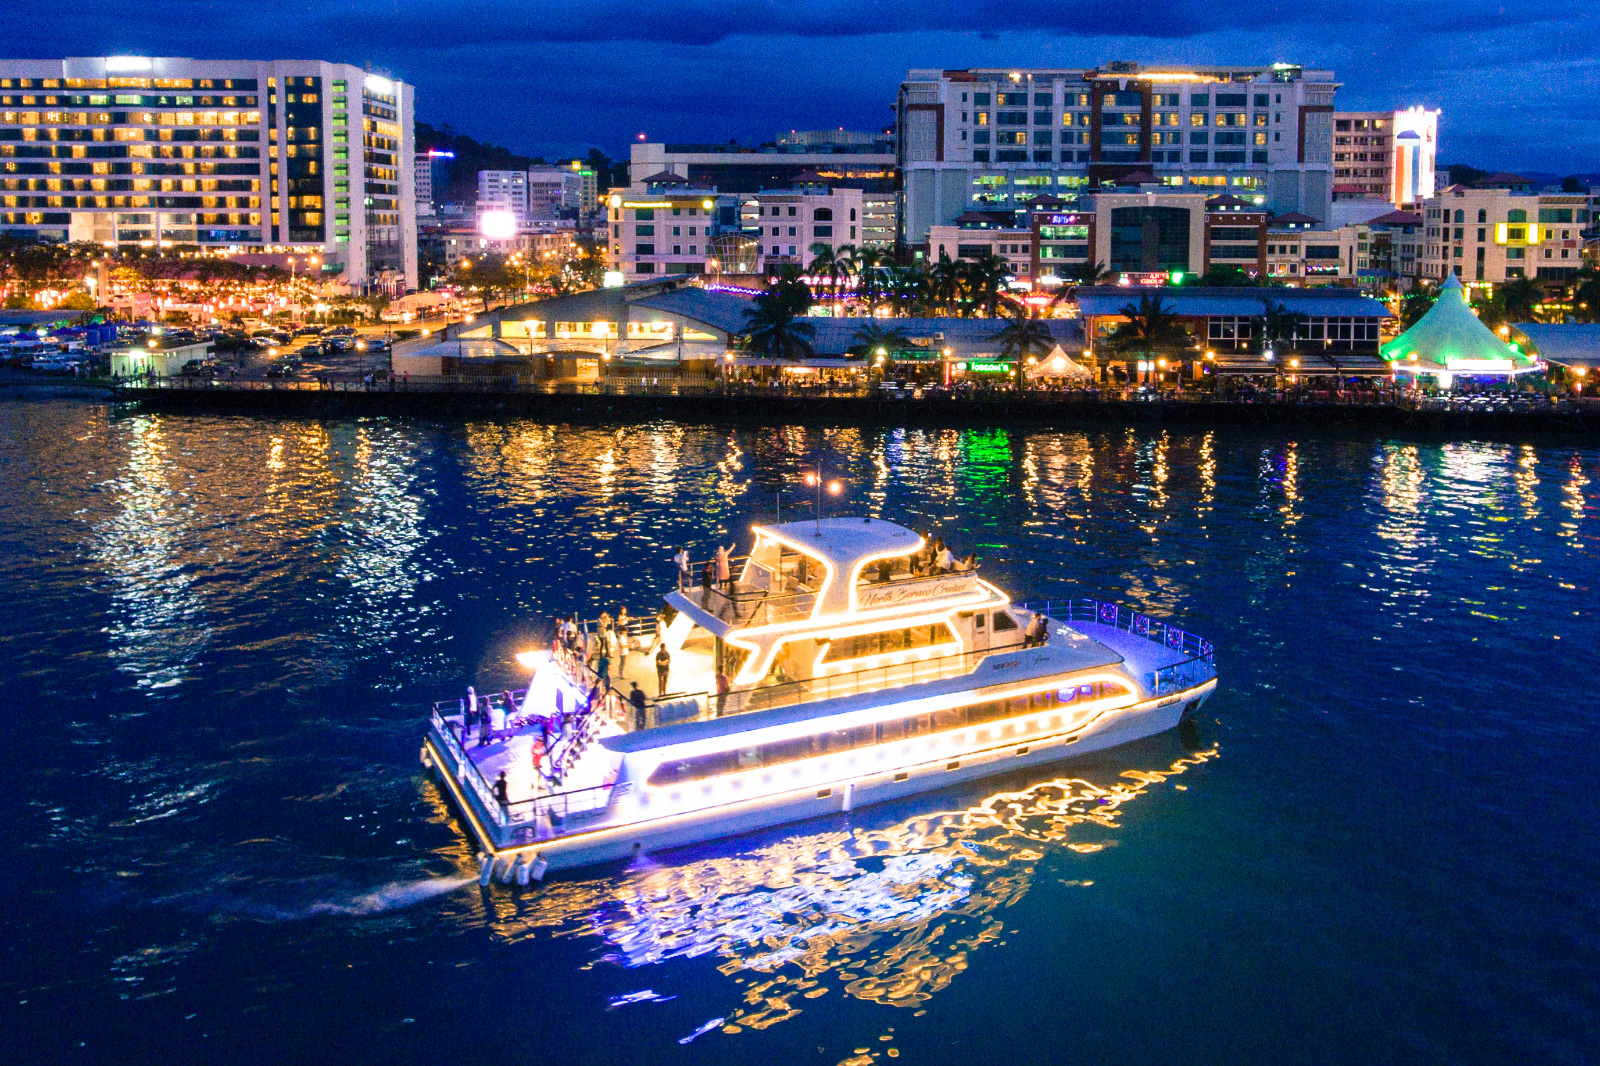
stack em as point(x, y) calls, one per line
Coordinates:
point(219, 638)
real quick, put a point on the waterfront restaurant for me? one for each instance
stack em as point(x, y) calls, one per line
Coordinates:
point(1331, 331)
point(670, 329)
point(1450, 341)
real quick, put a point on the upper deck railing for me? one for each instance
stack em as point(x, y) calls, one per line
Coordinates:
point(762, 597)
point(1198, 666)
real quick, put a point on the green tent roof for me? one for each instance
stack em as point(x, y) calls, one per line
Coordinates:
point(1451, 339)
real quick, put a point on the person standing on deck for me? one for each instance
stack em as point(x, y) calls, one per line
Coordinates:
point(682, 559)
point(724, 571)
point(602, 666)
point(663, 668)
point(708, 574)
point(500, 791)
point(722, 691)
point(946, 559)
point(638, 699)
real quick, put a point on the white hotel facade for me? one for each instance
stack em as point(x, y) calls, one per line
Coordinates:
point(228, 155)
point(994, 139)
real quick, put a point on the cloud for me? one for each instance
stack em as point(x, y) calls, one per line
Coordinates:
point(538, 73)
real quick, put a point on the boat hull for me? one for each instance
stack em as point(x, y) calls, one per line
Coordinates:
point(611, 843)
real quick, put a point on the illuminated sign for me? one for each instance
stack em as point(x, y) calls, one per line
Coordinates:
point(988, 368)
point(114, 63)
point(647, 203)
point(613, 279)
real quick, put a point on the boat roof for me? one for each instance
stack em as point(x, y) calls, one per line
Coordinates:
point(842, 541)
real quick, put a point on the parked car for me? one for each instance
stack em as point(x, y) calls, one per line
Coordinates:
point(311, 351)
point(280, 370)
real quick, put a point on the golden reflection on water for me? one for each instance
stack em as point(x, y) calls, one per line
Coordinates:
point(889, 916)
point(1527, 480)
point(158, 627)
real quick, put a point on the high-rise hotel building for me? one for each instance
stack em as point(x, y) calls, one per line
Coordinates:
point(240, 155)
point(997, 139)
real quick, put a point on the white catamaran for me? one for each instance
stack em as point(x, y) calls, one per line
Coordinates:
point(839, 665)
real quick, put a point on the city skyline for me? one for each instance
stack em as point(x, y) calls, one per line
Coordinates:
point(1513, 98)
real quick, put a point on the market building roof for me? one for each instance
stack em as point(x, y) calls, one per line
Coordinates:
point(1566, 344)
point(1204, 301)
point(1450, 339)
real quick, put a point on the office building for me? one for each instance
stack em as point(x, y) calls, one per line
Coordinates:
point(222, 155)
point(1385, 155)
point(503, 191)
point(588, 185)
point(977, 234)
point(1498, 229)
point(432, 173)
point(792, 225)
point(554, 192)
point(662, 226)
point(739, 169)
point(999, 138)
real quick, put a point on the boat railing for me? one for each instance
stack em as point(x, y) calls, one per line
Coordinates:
point(747, 604)
point(556, 806)
point(1198, 667)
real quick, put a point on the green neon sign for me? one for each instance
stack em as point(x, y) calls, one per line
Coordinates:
point(989, 368)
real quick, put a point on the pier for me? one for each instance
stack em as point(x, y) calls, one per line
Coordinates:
point(702, 402)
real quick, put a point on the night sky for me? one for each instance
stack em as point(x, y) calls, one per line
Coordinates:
point(1519, 83)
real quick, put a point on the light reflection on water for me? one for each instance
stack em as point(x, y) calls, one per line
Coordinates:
point(889, 916)
point(221, 634)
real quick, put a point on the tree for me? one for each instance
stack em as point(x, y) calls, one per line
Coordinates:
point(1414, 305)
point(1151, 326)
point(982, 279)
point(867, 264)
point(1518, 296)
point(1220, 275)
point(1491, 310)
point(869, 339)
point(944, 284)
point(772, 328)
point(831, 264)
point(1021, 337)
point(1585, 295)
point(1278, 325)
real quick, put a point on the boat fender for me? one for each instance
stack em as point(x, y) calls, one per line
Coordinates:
point(522, 870)
point(849, 802)
point(503, 870)
point(485, 868)
point(537, 868)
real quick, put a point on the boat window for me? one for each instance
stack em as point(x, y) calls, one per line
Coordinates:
point(1003, 622)
point(888, 641)
point(778, 752)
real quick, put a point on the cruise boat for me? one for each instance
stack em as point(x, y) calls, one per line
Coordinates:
point(839, 665)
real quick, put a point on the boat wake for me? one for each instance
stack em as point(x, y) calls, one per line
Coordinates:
point(391, 897)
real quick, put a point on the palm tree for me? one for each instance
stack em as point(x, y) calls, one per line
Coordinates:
point(867, 265)
point(830, 264)
point(1076, 275)
point(1021, 337)
point(1519, 295)
point(1150, 326)
point(771, 326)
point(984, 276)
point(869, 339)
point(944, 283)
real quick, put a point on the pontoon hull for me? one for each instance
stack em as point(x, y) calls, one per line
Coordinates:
point(611, 843)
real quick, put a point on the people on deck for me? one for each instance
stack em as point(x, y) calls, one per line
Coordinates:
point(501, 793)
point(707, 576)
point(885, 571)
point(723, 685)
point(602, 665)
point(724, 568)
point(945, 561)
point(663, 669)
point(682, 559)
point(639, 701)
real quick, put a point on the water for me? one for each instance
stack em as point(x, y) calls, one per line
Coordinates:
point(219, 635)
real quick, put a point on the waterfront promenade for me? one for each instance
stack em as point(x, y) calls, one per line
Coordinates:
point(758, 403)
